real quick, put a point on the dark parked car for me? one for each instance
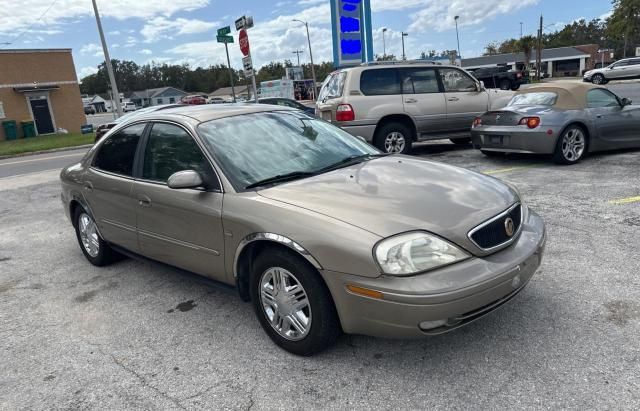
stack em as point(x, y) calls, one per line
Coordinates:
point(501, 77)
point(89, 110)
point(104, 128)
point(287, 102)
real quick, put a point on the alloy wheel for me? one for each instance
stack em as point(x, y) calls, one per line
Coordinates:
point(597, 79)
point(394, 142)
point(285, 303)
point(573, 144)
point(89, 235)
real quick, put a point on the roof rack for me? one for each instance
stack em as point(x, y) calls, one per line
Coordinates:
point(392, 62)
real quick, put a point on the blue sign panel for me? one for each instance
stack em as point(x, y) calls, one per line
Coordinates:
point(352, 37)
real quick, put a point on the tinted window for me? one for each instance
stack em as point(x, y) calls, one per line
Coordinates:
point(381, 82)
point(455, 80)
point(118, 151)
point(634, 62)
point(171, 149)
point(601, 98)
point(419, 81)
point(622, 63)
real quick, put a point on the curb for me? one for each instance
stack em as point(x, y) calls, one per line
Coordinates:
point(55, 150)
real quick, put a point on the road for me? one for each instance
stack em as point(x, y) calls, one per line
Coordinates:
point(136, 335)
point(17, 166)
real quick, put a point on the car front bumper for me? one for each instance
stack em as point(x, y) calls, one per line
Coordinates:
point(515, 139)
point(440, 300)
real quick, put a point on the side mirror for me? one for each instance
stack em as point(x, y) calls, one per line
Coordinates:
point(481, 87)
point(185, 179)
point(626, 102)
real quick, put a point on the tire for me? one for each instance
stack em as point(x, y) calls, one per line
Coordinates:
point(461, 141)
point(492, 153)
point(322, 325)
point(515, 87)
point(97, 252)
point(572, 145)
point(395, 138)
point(598, 79)
point(505, 84)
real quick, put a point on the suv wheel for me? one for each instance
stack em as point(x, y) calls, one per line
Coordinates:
point(598, 79)
point(394, 138)
point(505, 84)
point(292, 303)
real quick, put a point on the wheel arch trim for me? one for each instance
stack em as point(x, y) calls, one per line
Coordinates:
point(274, 238)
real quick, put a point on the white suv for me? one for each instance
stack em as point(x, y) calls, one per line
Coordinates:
point(127, 107)
point(624, 69)
point(393, 104)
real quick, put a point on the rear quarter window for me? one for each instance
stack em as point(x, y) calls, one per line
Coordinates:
point(380, 82)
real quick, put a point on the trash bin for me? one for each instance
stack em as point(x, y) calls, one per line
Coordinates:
point(10, 129)
point(28, 129)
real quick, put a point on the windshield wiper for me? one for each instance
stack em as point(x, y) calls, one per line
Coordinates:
point(281, 178)
point(345, 162)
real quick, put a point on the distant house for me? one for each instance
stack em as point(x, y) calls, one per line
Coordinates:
point(225, 92)
point(97, 102)
point(157, 96)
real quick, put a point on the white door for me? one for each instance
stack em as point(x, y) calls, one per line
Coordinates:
point(465, 101)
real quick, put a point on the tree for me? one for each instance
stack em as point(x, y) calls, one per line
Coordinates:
point(624, 24)
point(526, 45)
point(491, 49)
point(386, 57)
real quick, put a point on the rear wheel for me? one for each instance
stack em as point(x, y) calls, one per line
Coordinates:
point(461, 141)
point(505, 84)
point(394, 138)
point(598, 79)
point(292, 303)
point(94, 248)
point(571, 146)
point(515, 87)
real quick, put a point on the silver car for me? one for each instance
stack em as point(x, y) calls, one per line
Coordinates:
point(625, 69)
point(567, 120)
point(394, 104)
point(319, 230)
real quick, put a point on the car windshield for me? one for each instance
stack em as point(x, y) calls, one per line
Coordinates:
point(261, 146)
point(534, 99)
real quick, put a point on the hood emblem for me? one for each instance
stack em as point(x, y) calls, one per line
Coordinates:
point(509, 227)
point(498, 117)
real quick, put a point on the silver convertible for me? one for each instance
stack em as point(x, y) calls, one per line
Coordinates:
point(567, 120)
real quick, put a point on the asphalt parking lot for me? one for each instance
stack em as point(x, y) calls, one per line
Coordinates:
point(139, 335)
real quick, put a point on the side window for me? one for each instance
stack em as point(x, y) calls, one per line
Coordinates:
point(455, 80)
point(601, 98)
point(172, 100)
point(379, 82)
point(419, 81)
point(622, 63)
point(160, 101)
point(171, 149)
point(118, 151)
point(634, 62)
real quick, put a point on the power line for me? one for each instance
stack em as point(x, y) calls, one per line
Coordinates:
point(33, 23)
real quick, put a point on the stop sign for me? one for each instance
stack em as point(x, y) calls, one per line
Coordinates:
point(244, 42)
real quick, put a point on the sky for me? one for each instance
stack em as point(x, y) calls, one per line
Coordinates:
point(183, 31)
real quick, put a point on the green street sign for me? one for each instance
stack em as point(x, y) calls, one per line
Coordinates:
point(224, 31)
point(224, 39)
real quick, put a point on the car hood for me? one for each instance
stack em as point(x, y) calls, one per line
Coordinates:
point(395, 194)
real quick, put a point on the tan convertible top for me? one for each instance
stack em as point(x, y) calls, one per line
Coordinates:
point(571, 95)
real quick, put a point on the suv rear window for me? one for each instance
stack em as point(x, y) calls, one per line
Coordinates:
point(380, 82)
point(333, 85)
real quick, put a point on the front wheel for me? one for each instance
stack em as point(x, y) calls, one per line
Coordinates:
point(394, 138)
point(598, 79)
point(505, 84)
point(571, 146)
point(292, 303)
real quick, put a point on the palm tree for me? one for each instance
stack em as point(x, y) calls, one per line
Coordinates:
point(526, 45)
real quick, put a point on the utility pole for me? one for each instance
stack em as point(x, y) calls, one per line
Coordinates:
point(233, 89)
point(539, 51)
point(458, 38)
point(384, 43)
point(404, 56)
point(107, 60)
point(520, 29)
point(313, 68)
point(298, 52)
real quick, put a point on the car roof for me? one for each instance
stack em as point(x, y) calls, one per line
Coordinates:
point(571, 95)
point(398, 64)
point(207, 112)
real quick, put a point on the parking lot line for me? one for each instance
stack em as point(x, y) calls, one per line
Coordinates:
point(506, 170)
point(625, 200)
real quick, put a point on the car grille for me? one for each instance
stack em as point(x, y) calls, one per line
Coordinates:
point(493, 233)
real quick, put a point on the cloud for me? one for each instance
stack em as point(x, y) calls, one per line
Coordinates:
point(114, 33)
point(87, 71)
point(160, 28)
point(146, 51)
point(310, 2)
point(92, 49)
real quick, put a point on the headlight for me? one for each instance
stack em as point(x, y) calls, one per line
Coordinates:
point(414, 252)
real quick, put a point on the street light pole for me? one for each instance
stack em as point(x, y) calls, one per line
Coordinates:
point(298, 52)
point(313, 69)
point(458, 37)
point(384, 44)
point(404, 56)
point(107, 60)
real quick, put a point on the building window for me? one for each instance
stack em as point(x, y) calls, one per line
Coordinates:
point(172, 100)
point(160, 101)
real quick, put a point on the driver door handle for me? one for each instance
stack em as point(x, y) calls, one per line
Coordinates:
point(411, 100)
point(144, 201)
point(453, 99)
point(88, 186)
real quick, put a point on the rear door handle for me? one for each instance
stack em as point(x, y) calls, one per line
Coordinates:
point(453, 99)
point(599, 116)
point(144, 201)
point(88, 186)
point(411, 100)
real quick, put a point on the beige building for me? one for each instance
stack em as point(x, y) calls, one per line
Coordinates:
point(40, 86)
